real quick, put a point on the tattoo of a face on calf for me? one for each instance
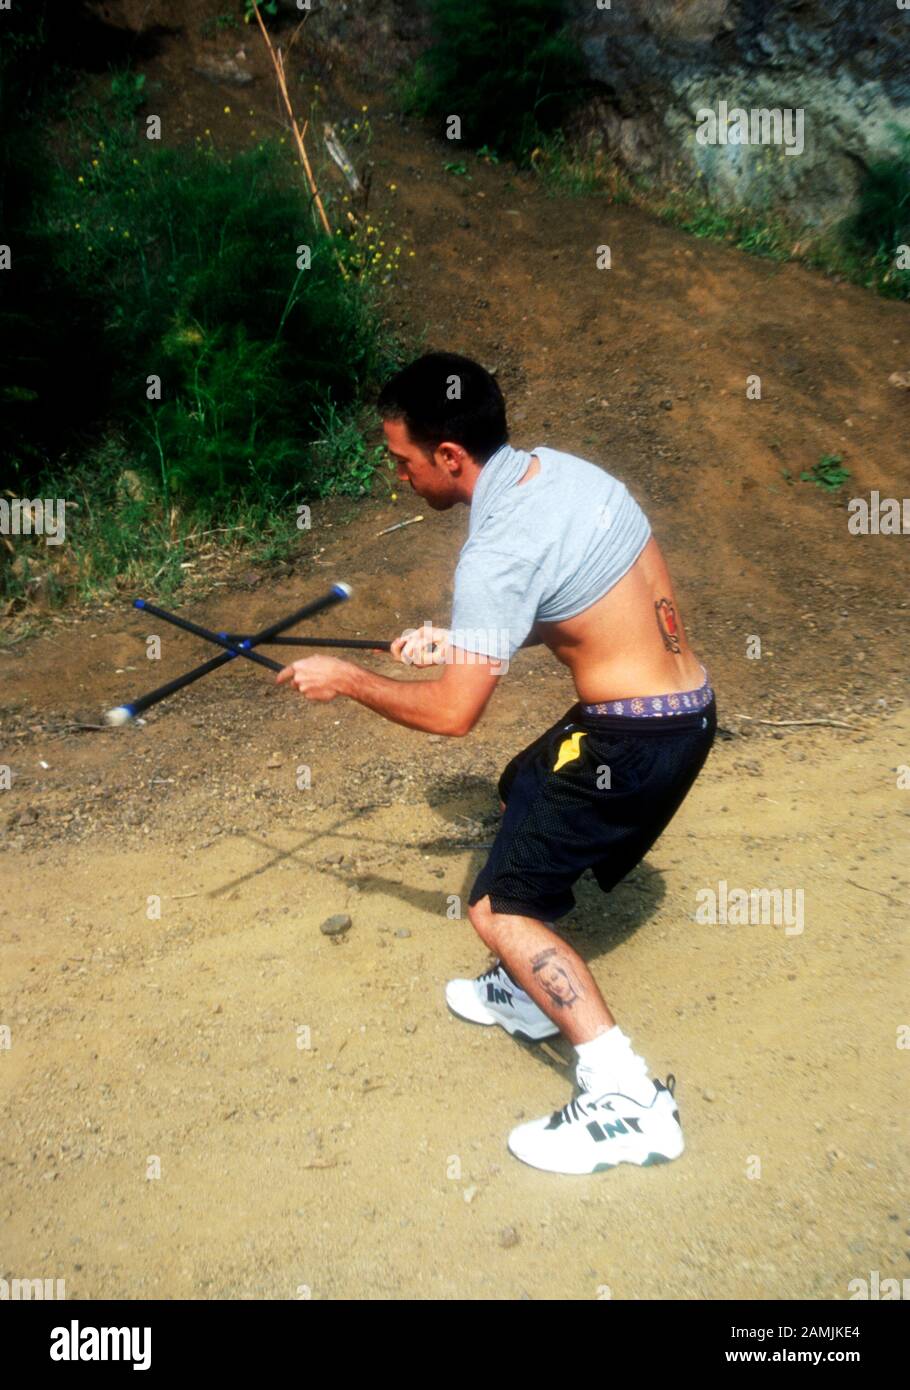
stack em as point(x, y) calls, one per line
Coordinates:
point(557, 978)
point(667, 624)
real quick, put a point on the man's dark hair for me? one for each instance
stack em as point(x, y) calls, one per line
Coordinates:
point(444, 396)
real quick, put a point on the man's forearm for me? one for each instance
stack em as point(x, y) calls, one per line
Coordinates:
point(416, 704)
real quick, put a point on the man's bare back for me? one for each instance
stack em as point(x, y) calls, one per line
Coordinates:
point(631, 641)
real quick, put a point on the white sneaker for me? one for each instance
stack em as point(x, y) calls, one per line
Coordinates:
point(593, 1133)
point(495, 998)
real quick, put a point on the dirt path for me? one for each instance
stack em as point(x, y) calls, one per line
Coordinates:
point(320, 1120)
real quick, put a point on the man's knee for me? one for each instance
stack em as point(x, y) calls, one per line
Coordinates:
point(479, 913)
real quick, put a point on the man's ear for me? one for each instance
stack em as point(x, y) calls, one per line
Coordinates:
point(453, 457)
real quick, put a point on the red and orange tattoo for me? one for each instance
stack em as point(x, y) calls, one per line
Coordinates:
point(666, 622)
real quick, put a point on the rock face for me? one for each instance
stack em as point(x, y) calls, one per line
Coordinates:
point(371, 39)
point(845, 66)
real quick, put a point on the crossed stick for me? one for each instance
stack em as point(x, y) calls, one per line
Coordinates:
point(235, 646)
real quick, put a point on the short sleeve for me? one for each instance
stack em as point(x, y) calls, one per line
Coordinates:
point(495, 603)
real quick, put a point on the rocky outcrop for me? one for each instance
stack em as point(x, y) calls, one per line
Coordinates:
point(660, 63)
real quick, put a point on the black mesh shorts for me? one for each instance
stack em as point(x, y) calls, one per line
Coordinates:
point(593, 792)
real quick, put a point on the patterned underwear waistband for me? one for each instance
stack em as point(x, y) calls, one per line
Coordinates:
point(651, 706)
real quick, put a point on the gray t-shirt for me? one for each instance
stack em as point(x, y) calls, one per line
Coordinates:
point(543, 551)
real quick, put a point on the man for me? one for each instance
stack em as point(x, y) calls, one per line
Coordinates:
point(558, 552)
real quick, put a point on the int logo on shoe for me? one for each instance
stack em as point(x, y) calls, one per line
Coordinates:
point(600, 1130)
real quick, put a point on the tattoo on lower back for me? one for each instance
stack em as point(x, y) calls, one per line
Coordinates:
point(557, 978)
point(666, 622)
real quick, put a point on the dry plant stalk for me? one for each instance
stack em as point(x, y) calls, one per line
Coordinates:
point(278, 64)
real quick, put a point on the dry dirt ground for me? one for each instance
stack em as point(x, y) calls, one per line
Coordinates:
point(321, 1124)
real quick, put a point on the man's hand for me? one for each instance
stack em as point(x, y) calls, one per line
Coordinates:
point(422, 646)
point(317, 677)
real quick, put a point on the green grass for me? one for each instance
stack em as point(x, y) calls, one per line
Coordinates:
point(122, 537)
point(759, 236)
point(566, 172)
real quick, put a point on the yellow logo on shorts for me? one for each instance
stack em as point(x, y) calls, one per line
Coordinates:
point(569, 749)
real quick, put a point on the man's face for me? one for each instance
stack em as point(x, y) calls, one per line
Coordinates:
point(427, 473)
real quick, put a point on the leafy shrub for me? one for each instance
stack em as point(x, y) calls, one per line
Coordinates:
point(882, 220)
point(507, 67)
point(828, 473)
point(194, 264)
point(132, 263)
